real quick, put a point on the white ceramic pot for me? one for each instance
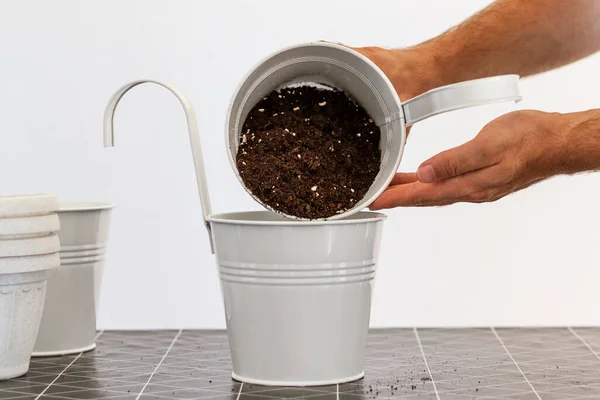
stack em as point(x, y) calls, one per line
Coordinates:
point(22, 294)
point(297, 296)
point(69, 321)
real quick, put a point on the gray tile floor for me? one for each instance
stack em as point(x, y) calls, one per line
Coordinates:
point(557, 363)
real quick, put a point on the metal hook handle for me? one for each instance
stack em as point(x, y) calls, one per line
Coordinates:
point(465, 94)
point(192, 124)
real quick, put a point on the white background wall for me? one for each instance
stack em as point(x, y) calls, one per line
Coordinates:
point(530, 259)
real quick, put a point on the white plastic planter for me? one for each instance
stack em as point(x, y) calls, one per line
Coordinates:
point(28, 249)
point(69, 321)
point(22, 294)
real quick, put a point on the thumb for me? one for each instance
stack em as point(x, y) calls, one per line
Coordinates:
point(454, 162)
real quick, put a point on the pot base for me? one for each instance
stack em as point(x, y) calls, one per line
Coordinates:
point(14, 372)
point(287, 383)
point(64, 352)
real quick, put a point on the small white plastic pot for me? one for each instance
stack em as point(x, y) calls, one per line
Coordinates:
point(344, 69)
point(28, 250)
point(69, 320)
point(22, 294)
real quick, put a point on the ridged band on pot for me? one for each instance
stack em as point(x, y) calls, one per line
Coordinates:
point(82, 254)
point(297, 274)
point(297, 295)
point(347, 70)
point(29, 226)
point(26, 264)
point(29, 246)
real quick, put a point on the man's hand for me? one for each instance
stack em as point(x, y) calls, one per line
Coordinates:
point(509, 154)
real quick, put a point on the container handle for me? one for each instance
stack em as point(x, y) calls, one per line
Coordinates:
point(192, 124)
point(461, 95)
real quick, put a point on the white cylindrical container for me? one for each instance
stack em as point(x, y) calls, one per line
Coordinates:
point(69, 321)
point(297, 296)
point(22, 295)
point(28, 250)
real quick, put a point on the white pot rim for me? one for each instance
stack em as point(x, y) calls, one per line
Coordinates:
point(27, 204)
point(274, 219)
point(73, 206)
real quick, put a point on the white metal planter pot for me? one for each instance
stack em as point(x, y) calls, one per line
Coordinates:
point(69, 320)
point(297, 294)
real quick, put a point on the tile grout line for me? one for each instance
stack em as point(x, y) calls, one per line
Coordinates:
point(58, 376)
point(98, 335)
point(67, 367)
point(159, 363)
point(426, 364)
point(584, 342)
point(514, 361)
point(240, 391)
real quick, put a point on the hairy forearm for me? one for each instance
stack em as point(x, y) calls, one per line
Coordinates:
point(522, 37)
point(578, 149)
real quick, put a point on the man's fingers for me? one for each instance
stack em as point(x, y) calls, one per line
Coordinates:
point(428, 194)
point(451, 163)
point(402, 178)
